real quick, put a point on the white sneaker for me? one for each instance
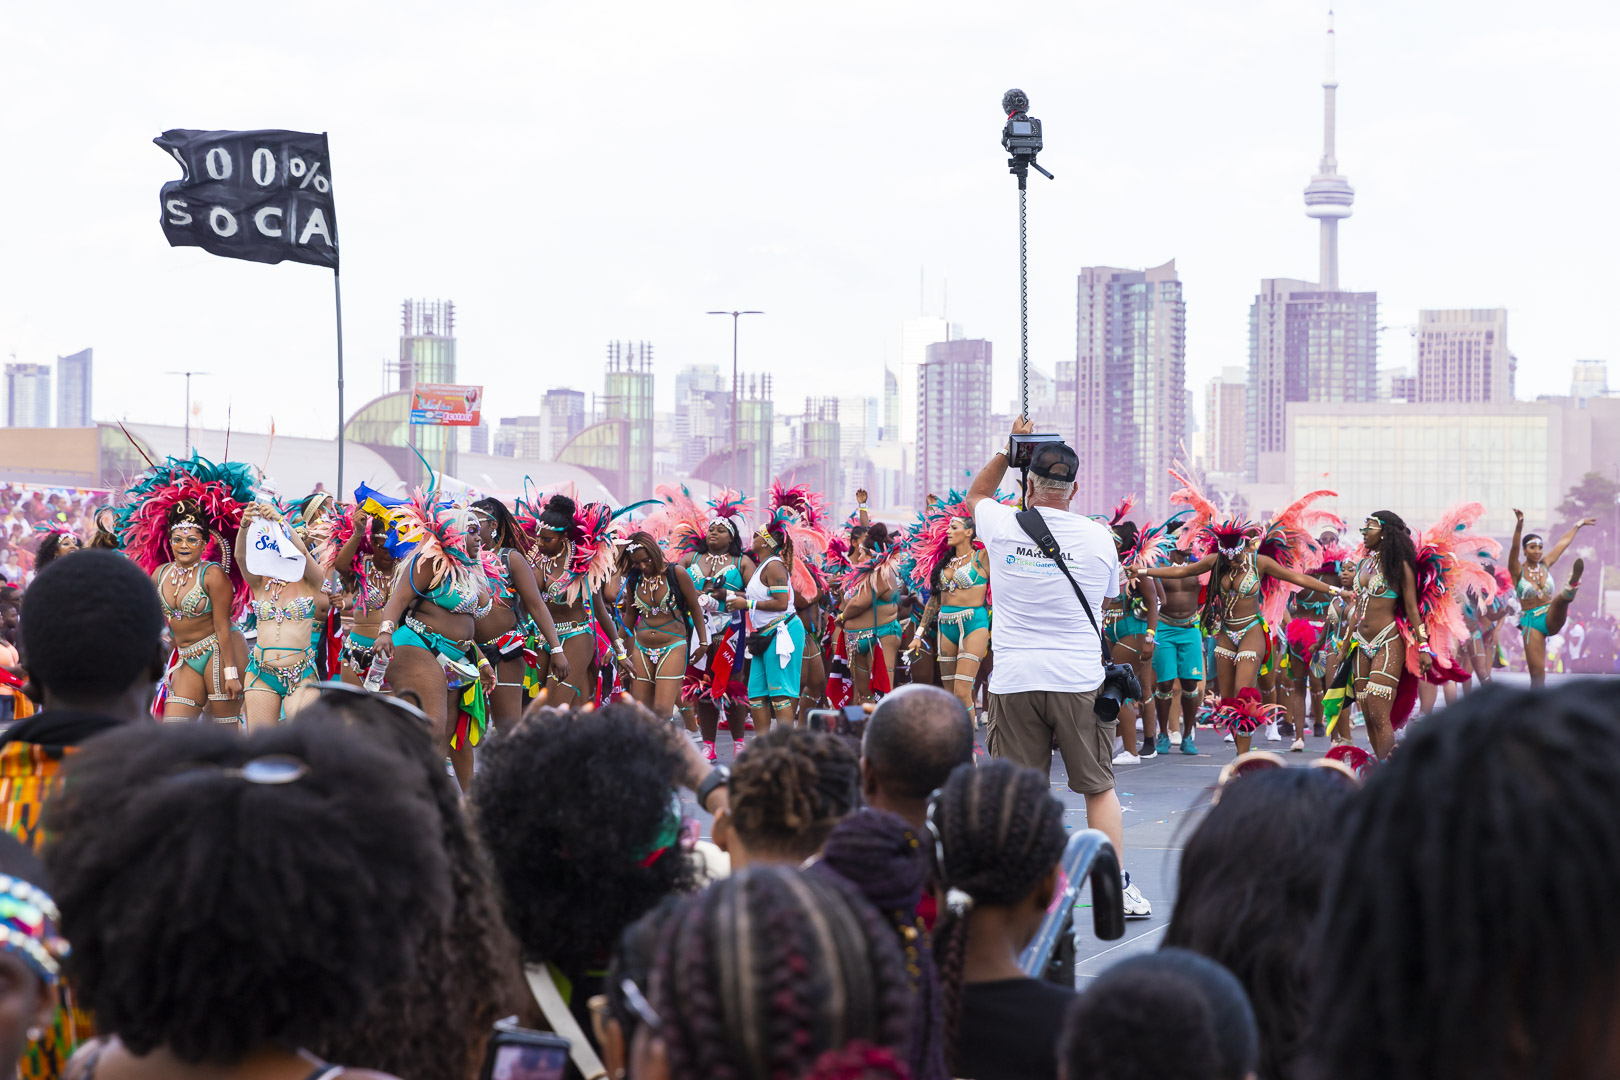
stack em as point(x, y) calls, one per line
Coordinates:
point(1125, 757)
point(1136, 905)
point(1297, 746)
point(1271, 733)
point(1175, 738)
point(1230, 739)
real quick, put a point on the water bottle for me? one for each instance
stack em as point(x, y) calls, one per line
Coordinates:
point(376, 672)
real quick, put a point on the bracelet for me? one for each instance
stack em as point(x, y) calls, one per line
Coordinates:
point(1151, 634)
point(387, 626)
point(232, 673)
point(483, 662)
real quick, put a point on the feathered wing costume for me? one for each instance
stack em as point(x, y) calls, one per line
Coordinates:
point(194, 491)
point(590, 553)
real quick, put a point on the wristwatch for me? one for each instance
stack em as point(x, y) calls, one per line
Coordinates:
point(720, 774)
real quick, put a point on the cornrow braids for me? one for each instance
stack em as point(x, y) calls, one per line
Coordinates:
point(1472, 914)
point(507, 533)
point(1001, 832)
point(766, 970)
point(790, 789)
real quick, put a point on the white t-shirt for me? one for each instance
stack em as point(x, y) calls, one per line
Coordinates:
point(1040, 633)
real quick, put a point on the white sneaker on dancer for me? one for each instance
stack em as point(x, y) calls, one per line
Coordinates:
point(1175, 738)
point(1125, 757)
point(1271, 733)
point(1136, 905)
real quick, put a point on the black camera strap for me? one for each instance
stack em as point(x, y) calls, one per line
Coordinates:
point(1036, 528)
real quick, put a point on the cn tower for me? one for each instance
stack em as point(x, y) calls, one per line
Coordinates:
point(1329, 195)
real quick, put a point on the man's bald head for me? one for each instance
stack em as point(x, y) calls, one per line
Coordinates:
point(916, 736)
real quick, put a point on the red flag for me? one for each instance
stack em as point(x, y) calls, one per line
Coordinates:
point(839, 686)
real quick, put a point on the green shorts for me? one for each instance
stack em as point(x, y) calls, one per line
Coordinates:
point(1534, 619)
point(1126, 626)
point(1178, 653)
point(767, 677)
point(956, 623)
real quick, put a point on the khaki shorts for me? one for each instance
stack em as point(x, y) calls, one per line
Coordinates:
point(1022, 726)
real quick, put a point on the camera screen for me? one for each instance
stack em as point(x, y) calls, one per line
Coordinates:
point(1020, 127)
point(514, 1061)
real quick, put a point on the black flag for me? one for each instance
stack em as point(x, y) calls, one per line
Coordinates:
point(259, 195)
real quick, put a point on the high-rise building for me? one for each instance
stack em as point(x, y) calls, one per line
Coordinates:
point(562, 415)
point(1462, 356)
point(1131, 376)
point(702, 413)
point(1225, 403)
point(857, 426)
point(28, 395)
point(73, 381)
point(1309, 341)
point(953, 415)
point(1589, 379)
point(916, 335)
point(628, 395)
point(891, 405)
point(427, 354)
point(822, 441)
point(478, 439)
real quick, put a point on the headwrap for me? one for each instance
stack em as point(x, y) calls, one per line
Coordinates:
point(28, 921)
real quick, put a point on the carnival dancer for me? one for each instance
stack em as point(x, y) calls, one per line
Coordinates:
point(661, 611)
point(717, 678)
point(1178, 659)
point(1249, 571)
point(870, 614)
point(289, 616)
point(955, 569)
point(427, 627)
point(179, 524)
point(358, 552)
point(1304, 637)
point(1131, 626)
point(573, 558)
point(1542, 613)
point(775, 634)
point(518, 618)
point(811, 512)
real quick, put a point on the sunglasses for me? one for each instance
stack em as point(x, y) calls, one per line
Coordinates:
point(333, 688)
point(1259, 761)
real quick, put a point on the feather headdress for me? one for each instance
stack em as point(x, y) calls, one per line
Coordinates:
point(809, 509)
point(590, 551)
point(683, 525)
point(731, 507)
point(1450, 562)
point(1152, 547)
point(193, 492)
point(1288, 542)
point(436, 536)
point(929, 545)
point(1206, 529)
point(788, 536)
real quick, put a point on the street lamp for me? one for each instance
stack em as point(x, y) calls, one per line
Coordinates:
point(735, 315)
point(188, 375)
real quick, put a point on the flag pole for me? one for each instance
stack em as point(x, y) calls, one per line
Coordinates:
point(337, 293)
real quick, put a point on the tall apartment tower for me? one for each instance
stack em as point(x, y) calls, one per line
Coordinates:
point(628, 395)
point(1589, 379)
point(1462, 356)
point(1225, 402)
point(427, 353)
point(73, 380)
point(28, 395)
point(1130, 385)
point(953, 415)
point(1309, 341)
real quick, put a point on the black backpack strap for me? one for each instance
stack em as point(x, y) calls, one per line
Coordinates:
point(1035, 526)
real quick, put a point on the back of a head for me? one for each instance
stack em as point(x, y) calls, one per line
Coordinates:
point(1000, 829)
point(223, 893)
point(764, 971)
point(1250, 886)
point(558, 514)
point(92, 626)
point(592, 849)
point(788, 790)
point(1115, 1030)
point(915, 737)
point(1473, 897)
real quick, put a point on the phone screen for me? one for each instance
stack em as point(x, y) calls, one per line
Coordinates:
point(516, 1061)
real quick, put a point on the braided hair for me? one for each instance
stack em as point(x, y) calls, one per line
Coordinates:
point(790, 789)
point(1000, 832)
point(1395, 550)
point(1473, 924)
point(507, 533)
point(766, 970)
point(558, 514)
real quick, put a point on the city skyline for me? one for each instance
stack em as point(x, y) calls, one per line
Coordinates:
point(829, 249)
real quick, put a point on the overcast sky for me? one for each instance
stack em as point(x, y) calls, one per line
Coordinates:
point(574, 173)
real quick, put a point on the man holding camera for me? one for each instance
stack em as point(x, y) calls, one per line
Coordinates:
point(1048, 670)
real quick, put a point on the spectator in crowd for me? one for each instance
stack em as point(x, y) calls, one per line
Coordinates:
point(764, 971)
point(882, 855)
point(1252, 884)
point(31, 951)
point(614, 1018)
point(52, 546)
point(913, 739)
point(436, 1023)
point(92, 638)
point(1000, 838)
point(1115, 1031)
point(595, 852)
point(1473, 930)
point(232, 901)
point(1049, 652)
point(787, 792)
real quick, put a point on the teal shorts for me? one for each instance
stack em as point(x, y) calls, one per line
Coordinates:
point(1126, 626)
point(767, 678)
point(864, 640)
point(1534, 619)
point(1178, 653)
point(956, 623)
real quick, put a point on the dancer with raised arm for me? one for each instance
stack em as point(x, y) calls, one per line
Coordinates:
point(1249, 570)
point(661, 612)
point(1131, 626)
point(519, 616)
point(573, 559)
point(953, 564)
point(1542, 611)
point(775, 634)
point(289, 616)
point(358, 550)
